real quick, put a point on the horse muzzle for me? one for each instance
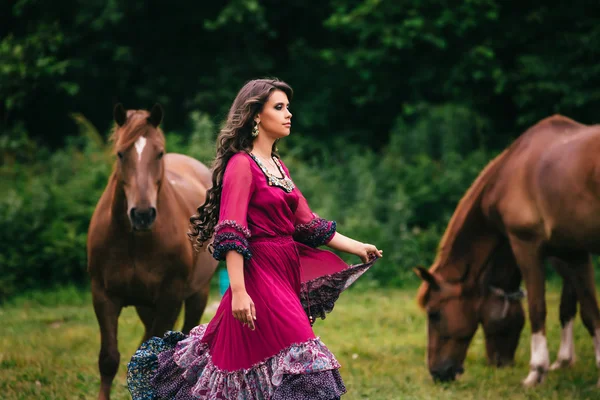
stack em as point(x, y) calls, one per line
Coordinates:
point(446, 372)
point(142, 220)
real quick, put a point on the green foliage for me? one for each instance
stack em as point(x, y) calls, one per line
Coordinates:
point(44, 215)
point(396, 199)
point(357, 66)
point(399, 105)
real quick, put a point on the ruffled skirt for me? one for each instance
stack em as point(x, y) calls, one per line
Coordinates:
point(281, 359)
point(180, 367)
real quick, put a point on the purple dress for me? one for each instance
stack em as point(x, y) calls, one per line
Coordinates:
point(266, 219)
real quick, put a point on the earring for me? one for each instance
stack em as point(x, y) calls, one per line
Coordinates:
point(255, 130)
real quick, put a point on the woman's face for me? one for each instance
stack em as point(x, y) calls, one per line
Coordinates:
point(275, 118)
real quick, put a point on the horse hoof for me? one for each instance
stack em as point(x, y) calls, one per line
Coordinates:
point(560, 364)
point(535, 377)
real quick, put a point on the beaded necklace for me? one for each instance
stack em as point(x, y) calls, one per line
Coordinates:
point(285, 183)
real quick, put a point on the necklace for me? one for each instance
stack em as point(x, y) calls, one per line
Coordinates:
point(285, 183)
point(270, 162)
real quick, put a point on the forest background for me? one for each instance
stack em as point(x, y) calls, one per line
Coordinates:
point(398, 105)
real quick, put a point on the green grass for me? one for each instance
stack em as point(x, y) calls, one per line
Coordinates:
point(49, 344)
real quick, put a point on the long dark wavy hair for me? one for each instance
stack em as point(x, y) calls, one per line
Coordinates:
point(235, 136)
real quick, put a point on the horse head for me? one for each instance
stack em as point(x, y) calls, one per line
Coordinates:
point(501, 313)
point(455, 307)
point(139, 147)
point(502, 318)
point(452, 321)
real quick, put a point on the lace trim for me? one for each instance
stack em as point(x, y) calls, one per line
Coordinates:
point(192, 361)
point(285, 183)
point(228, 223)
point(227, 241)
point(318, 296)
point(316, 232)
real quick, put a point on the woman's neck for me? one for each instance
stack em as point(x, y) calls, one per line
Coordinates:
point(263, 147)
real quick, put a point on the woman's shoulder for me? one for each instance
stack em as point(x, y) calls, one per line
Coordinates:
point(239, 159)
point(240, 166)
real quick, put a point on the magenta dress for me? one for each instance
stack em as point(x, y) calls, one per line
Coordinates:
point(266, 219)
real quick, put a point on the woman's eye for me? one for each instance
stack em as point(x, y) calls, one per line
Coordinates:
point(278, 107)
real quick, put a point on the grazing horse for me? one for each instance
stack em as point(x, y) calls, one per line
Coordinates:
point(138, 250)
point(542, 195)
point(498, 307)
point(500, 313)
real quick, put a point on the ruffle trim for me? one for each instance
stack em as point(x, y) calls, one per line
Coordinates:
point(228, 223)
point(226, 241)
point(318, 296)
point(316, 232)
point(192, 361)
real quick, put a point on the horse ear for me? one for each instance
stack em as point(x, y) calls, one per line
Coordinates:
point(427, 277)
point(156, 115)
point(120, 114)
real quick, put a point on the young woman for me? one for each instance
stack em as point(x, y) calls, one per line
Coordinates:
point(260, 344)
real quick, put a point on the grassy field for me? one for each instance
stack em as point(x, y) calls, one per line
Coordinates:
point(49, 344)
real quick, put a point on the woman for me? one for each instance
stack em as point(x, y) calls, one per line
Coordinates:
point(260, 344)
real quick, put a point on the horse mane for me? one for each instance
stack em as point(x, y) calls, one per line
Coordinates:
point(137, 125)
point(468, 206)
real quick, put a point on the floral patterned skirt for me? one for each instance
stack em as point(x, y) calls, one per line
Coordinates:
point(180, 367)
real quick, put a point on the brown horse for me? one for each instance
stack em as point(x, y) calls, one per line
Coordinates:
point(498, 307)
point(542, 194)
point(497, 304)
point(138, 250)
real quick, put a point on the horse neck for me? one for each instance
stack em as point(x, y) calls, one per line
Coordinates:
point(118, 201)
point(502, 270)
point(467, 254)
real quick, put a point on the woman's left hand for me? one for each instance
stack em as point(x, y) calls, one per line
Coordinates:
point(367, 251)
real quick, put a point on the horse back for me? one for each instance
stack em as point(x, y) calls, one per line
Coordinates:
point(514, 199)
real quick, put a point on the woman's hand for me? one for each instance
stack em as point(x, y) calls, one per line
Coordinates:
point(243, 309)
point(364, 250)
point(367, 251)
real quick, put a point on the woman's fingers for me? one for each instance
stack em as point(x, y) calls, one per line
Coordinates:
point(245, 317)
point(250, 321)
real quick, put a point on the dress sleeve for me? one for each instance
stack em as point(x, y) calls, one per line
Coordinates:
point(310, 229)
point(232, 233)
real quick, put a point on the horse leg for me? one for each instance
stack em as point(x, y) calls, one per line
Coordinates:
point(107, 313)
point(568, 310)
point(167, 312)
point(204, 269)
point(147, 316)
point(583, 278)
point(532, 269)
point(194, 308)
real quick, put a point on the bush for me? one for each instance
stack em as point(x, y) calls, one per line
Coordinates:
point(397, 200)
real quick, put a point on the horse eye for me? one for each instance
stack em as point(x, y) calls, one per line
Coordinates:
point(161, 154)
point(120, 155)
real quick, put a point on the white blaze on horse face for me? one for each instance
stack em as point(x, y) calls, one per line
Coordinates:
point(540, 359)
point(139, 146)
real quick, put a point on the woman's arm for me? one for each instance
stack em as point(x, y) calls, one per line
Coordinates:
point(242, 305)
point(232, 234)
point(348, 245)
